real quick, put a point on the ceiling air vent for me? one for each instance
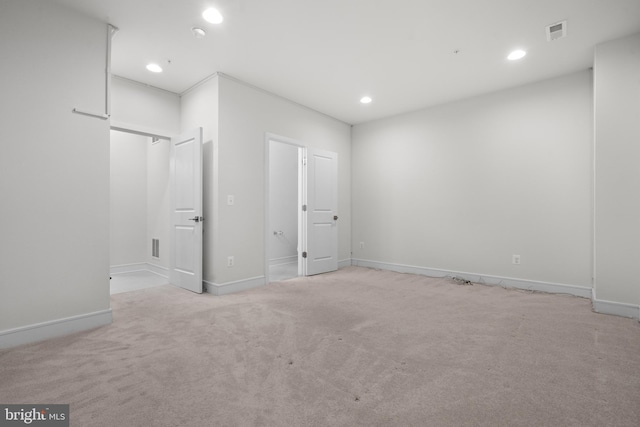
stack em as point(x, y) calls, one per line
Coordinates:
point(556, 31)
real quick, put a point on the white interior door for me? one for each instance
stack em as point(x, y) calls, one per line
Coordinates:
point(185, 260)
point(320, 219)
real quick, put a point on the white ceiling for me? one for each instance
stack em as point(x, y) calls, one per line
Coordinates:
point(327, 54)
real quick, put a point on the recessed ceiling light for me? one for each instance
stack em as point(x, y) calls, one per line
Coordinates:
point(154, 68)
point(366, 100)
point(198, 32)
point(516, 54)
point(213, 16)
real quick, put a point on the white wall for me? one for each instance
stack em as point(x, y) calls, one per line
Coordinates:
point(236, 118)
point(140, 107)
point(199, 108)
point(128, 202)
point(157, 192)
point(464, 186)
point(245, 115)
point(284, 205)
point(139, 200)
point(617, 149)
point(54, 172)
point(143, 107)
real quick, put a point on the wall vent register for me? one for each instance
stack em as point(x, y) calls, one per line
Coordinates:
point(155, 248)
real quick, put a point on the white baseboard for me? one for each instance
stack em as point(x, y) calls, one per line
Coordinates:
point(127, 268)
point(141, 266)
point(531, 285)
point(345, 263)
point(294, 260)
point(283, 260)
point(54, 328)
point(616, 308)
point(158, 269)
point(233, 287)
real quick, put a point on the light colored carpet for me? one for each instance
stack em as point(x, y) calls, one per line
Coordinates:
point(357, 347)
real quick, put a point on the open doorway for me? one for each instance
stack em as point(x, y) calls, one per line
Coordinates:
point(284, 202)
point(139, 211)
point(302, 204)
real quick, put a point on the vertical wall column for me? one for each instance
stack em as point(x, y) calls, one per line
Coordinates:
point(617, 177)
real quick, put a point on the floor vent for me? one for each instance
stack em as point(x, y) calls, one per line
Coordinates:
point(556, 31)
point(155, 248)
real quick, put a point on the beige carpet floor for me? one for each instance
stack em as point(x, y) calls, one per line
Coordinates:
point(357, 347)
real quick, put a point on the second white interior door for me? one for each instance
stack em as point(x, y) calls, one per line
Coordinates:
point(320, 220)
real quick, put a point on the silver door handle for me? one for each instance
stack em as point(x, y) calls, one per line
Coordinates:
point(196, 219)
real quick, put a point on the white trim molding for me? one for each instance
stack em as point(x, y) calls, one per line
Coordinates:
point(141, 266)
point(507, 282)
point(127, 268)
point(140, 130)
point(233, 287)
point(345, 263)
point(158, 269)
point(283, 260)
point(616, 308)
point(55, 328)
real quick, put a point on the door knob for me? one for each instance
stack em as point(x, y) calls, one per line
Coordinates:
point(196, 219)
point(335, 217)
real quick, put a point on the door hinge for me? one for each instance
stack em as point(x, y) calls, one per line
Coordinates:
point(304, 254)
point(304, 208)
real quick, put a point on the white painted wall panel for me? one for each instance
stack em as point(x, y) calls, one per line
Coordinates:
point(199, 108)
point(54, 168)
point(144, 107)
point(128, 206)
point(284, 205)
point(245, 115)
point(236, 118)
point(158, 218)
point(466, 185)
point(617, 124)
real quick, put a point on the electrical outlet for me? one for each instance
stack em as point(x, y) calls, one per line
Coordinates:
point(361, 245)
point(230, 261)
point(515, 259)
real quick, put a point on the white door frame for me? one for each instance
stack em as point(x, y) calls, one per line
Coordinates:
point(153, 133)
point(290, 141)
point(139, 130)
